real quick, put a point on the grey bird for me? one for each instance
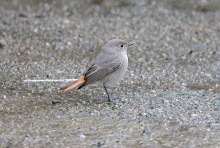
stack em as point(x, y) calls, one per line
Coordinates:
point(107, 69)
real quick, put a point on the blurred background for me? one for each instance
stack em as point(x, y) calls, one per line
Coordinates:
point(184, 5)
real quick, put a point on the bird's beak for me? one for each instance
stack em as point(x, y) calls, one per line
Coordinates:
point(130, 44)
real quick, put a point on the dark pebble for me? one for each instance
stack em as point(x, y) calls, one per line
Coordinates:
point(146, 132)
point(191, 52)
point(22, 15)
point(101, 143)
point(55, 102)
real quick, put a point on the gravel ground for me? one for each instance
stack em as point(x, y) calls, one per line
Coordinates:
point(170, 95)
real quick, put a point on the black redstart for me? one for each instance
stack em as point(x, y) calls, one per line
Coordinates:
point(108, 68)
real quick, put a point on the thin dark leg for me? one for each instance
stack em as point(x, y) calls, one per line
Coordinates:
point(109, 99)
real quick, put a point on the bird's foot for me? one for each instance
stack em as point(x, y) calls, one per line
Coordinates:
point(113, 100)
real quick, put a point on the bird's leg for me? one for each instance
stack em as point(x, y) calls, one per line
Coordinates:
point(109, 99)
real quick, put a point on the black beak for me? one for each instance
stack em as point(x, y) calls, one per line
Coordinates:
point(130, 44)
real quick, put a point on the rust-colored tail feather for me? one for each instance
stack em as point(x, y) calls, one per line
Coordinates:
point(74, 84)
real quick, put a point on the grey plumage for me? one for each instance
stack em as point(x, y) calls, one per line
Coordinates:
point(109, 66)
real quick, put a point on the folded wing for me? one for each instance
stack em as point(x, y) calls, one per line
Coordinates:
point(96, 72)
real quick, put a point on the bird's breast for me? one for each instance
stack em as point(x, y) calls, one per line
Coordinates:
point(117, 75)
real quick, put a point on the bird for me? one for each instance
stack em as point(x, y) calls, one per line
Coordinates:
point(107, 69)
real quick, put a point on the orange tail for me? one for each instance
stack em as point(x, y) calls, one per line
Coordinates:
point(74, 84)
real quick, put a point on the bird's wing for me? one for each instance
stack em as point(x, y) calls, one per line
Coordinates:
point(97, 72)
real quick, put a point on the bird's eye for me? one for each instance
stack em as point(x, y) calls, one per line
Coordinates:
point(121, 45)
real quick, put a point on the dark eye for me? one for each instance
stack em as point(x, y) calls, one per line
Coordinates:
point(121, 45)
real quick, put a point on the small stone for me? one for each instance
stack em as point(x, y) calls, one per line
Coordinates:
point(194, 115)
point(56, 102)
point(1, 45)
point(22, 15)
point(166, 101)
point(24, 113)
point(191, 52)
point(47, 44)
point(77, 132)
point(66, 21)
point(146, 132)
point(82, 136)
point(101, 143)
point(4, 97)
point(36, 30)
point(69, 43)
